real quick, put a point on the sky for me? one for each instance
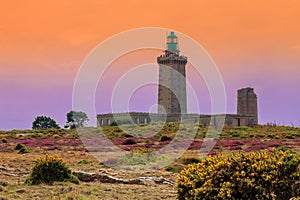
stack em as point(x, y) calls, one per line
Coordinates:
point(43, 43)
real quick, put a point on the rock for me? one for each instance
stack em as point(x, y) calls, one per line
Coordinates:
point(85, 176)
point(8, 174)
point(160, 180)
point(2, 168)
point(3, 183)
point(105, 178)
point(20, 191)
point(135, 181)
point(6, 168)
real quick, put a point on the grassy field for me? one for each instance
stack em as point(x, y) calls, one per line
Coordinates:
point(15, 167)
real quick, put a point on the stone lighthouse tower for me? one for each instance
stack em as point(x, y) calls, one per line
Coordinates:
point(172, 79)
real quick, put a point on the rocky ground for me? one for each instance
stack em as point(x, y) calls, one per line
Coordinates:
point(97, 181)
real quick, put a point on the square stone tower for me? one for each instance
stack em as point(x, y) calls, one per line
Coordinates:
point(172, 79)
point(247, 104)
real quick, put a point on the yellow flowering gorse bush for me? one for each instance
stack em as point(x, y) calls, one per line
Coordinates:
point(256, 175)
point(49, 169)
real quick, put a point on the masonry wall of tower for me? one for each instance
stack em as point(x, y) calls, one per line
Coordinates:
point(247, 104)
point(172, 84)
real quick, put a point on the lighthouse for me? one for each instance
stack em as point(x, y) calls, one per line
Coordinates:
point(172, 79)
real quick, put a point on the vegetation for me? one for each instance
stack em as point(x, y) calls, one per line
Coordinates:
point(21, 148)
point(49, 169)
point(129, 141)
point(165, 138)
point(44, 122)
point(114, 123)
point(76, 119)
point(141, 146)
point(83, 162)
point(256, 175)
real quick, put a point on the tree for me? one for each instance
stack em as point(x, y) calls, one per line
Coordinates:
point(44, 122)
point(76, 119)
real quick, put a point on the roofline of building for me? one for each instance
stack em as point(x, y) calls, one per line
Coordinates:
point(187, 114)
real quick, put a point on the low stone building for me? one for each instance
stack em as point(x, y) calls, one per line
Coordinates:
point(246, 114)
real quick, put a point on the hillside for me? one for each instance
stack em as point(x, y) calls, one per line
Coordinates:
point(15, 167)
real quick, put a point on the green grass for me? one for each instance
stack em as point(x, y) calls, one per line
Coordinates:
point(158, 130)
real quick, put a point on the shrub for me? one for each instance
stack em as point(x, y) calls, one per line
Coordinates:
point(127, 135)
point(83, 162)
point(49, 169)
point(170, 169)
point(165, 138)
point(114, 123)
point(189, 160)
point(4, 140)
point(256, 175)
point(21, 148)
point(129, 141)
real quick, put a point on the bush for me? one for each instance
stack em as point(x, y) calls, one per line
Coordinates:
point(170, 169)
point(21, 148)
point(187, 160)
point(114, 123)
point(49, 169)
point(165, 138)
point(256, 175)
point(83, 162)
point(4, 140)
point(127, 135)
point(129, 141)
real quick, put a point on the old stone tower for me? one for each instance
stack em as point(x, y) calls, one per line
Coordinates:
point(172, 79)
point(247, 104)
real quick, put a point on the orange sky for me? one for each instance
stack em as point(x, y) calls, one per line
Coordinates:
point(62, 30)
point(53, 37)
point(40, 40)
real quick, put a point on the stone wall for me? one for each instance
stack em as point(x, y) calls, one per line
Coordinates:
point(230, 120)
